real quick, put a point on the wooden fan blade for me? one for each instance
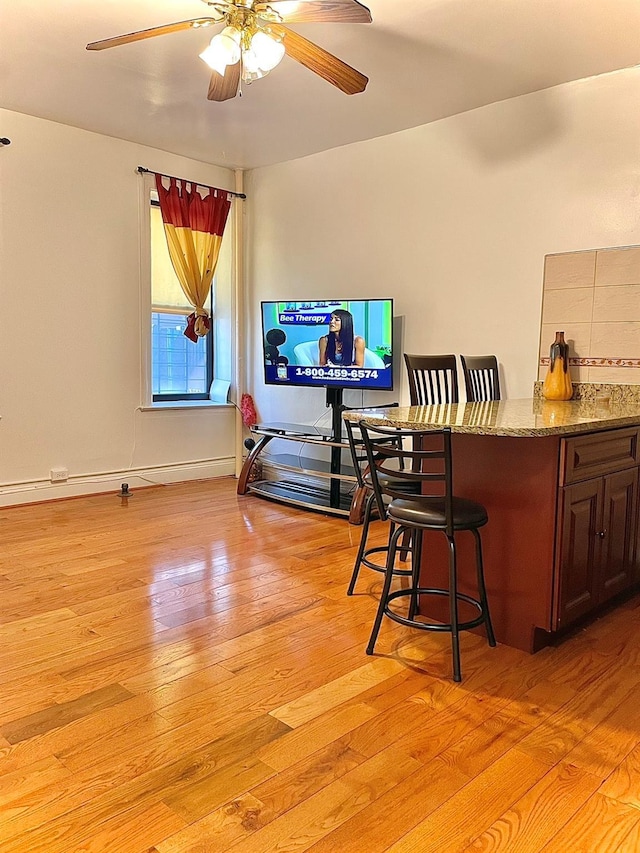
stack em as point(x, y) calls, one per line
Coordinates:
point(224, 88)
point(317, 11)
point(316, 59)
point(154, 31)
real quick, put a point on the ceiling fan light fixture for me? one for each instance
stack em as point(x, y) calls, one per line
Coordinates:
point(267, 50)
point(223, 50)
point(251, 69)
point(251, 73)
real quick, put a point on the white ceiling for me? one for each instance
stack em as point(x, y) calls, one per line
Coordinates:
point(426, 59)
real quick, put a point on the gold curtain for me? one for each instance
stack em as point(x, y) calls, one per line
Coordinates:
point(193, 225)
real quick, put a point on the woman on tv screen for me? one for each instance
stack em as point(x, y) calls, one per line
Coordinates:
point(340, 347)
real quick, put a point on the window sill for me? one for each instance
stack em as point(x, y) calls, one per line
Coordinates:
point(184, 404)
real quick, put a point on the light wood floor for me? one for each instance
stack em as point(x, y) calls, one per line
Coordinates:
point(183, 673)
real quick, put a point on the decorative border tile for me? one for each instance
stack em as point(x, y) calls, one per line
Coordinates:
point(598, 362)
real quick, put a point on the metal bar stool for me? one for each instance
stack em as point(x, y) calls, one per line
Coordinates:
point(481, 377)
point(428, 464)
point(365, 556)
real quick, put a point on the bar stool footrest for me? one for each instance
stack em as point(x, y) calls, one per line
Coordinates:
point(434, 626)
point(382, 568)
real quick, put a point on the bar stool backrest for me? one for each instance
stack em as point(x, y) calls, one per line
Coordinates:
point(433, 379)
point(481, 377)
point(420, 457)
point(359, 456)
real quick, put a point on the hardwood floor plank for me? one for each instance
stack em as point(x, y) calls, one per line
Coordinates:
point(57, 716)
point(297, 783)
point(289, 640)
point(307, 739)
point(22, 696)
point(536, 817)
point(557, 736)
point(349, 686)
point(20, 784)
point(134, 834)
point(128, 652)
point(105, 723)
point(607, 745)
point(220, 829)
point(101, 793)
point(396, 812)
point(601, 825)
point(481, 802)
point(130, 829)
point(213, 791)
point(277, 685)
point(142, 752)
point(623, 784)
point(496, 735)
point(300, 827)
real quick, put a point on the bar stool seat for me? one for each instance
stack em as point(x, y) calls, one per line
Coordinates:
point(427, 462)
point(431, 512)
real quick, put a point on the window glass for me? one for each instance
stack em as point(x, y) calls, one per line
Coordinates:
point(179, 367)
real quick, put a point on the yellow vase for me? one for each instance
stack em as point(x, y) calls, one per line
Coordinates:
point(557, 383)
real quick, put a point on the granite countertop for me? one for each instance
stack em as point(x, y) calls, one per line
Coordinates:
point(527, 417)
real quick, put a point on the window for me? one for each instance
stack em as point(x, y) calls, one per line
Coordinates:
point(180, 369)
point(174, 371)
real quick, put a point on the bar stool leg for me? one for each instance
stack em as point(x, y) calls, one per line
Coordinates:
point(368, 507)
point(491, 639)
point(453, 609)
point(405, 545)
point(416, 561)
point(388, 577)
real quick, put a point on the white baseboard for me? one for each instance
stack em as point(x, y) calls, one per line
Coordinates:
point(111, 481)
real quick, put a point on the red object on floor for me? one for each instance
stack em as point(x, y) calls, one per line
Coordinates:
point(248, 410)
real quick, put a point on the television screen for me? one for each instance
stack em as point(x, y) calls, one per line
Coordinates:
point(335, 343)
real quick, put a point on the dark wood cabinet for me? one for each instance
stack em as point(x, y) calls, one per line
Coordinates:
point(580, 549)
point(598, 536)
point(619, 533)
point(598, 522)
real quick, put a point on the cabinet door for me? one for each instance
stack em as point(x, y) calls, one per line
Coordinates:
point(636, 575)
point(617, 564)
point(580, 550)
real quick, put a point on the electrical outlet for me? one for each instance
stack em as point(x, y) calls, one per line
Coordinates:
point(58, 474)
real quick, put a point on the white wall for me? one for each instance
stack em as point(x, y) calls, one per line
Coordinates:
point(70, 320)
point(453, 220)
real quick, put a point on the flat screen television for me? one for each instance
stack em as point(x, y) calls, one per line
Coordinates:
point(336, 343)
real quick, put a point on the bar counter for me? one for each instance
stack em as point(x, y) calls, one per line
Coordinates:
point(527, 417)
point(560, 484)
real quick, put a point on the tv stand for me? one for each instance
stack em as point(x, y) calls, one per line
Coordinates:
point(304, 475)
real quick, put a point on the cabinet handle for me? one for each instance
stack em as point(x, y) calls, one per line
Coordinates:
point(601, 533)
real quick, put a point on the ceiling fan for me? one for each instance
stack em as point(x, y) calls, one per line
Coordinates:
point(254, 40)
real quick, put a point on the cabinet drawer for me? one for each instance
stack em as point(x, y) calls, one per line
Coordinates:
point(598, 453)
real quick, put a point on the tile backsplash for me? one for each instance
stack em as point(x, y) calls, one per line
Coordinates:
point(594, 297)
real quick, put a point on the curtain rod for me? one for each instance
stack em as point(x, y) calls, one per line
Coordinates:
point(173, 177)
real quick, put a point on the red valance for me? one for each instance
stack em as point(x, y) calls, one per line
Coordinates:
point(183, 206)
